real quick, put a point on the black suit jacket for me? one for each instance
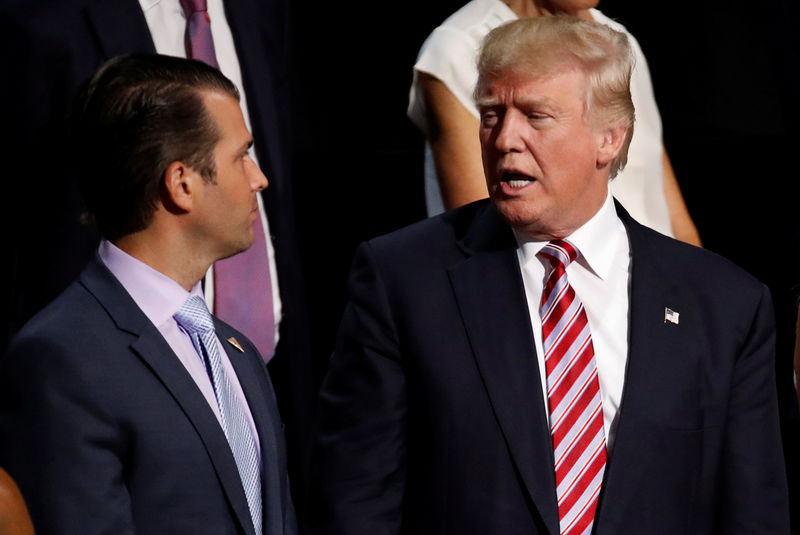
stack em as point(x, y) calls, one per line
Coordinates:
point(49, 49)
point(432, 418)
point(105, 431)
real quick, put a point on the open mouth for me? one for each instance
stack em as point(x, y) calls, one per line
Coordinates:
point(516, 180)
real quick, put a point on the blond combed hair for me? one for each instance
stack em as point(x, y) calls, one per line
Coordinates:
point(542, 46)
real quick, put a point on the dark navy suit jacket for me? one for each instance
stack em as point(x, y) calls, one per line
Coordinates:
point(48, 49)
point(105, 431)
point(432, 418)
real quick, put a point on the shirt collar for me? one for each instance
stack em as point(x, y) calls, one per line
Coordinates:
point(596, 240)
point(157, 295)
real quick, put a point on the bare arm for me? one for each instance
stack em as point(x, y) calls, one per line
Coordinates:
point(682, 224)
point(453, 135)
point(14, 519)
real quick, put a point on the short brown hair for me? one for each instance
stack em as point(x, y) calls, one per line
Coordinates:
point(137, 115)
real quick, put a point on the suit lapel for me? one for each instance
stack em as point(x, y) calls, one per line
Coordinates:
point(154, 350)
point(491, 297)
point(253, 379)
point(653, 344)
point(120, 27)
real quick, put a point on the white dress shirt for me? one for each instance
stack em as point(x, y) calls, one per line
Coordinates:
point(600, 277)
point(167, 24)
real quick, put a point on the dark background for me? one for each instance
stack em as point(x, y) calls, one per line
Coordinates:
point(358, 160)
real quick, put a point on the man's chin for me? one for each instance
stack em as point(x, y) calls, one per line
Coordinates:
point(238, 248)
point(520, 216)
point(515, 211)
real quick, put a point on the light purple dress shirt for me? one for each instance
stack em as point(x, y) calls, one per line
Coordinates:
point(160, 297)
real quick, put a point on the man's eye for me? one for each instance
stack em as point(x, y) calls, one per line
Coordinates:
point(488, 119)
point(536, 116)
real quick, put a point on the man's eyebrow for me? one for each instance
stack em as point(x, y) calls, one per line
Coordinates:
point(246, 145)
point(531, 102)
point(486, 102)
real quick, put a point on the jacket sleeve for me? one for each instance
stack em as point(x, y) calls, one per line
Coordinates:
point(360, 446)
point(59, 442)
point(753, 491)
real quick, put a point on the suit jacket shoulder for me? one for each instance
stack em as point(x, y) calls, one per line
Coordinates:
point(104, 429)
point(692, 265)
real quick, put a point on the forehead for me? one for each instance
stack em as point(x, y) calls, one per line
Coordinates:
point(564, 87)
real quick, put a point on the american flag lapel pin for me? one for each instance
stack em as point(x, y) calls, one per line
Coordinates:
point(671, 316)
point(235, 343)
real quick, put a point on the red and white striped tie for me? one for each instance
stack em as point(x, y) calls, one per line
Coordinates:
point(576, 415)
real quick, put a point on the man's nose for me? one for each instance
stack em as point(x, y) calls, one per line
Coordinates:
point(258, 180)
point(509, 135)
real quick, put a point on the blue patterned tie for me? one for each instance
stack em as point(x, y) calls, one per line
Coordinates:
point(194, 317)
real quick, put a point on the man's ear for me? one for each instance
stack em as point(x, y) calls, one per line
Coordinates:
point(180, 186)
point(610, 141)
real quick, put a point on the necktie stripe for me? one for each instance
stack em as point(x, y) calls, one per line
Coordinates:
point(195, 319)
point(570, 383)
point(576, 354)
point(562, 311)
point(559, 289)
point(573, 389)
point(575, 513)
point(559, 325)
point(577, 431)
point(561, 251)
point(582, 519)
point(560, 293)
point(582, 405)
point(560, 378)
point(578, 394)
point(582, 490)
point(579, 503)
point(581, 445)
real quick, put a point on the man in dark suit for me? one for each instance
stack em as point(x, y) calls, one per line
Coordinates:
point(540, 363)
point(124, 407)
point(47, 51)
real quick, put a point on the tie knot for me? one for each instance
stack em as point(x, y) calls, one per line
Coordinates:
point(190, 7)
point(194, 316)
point(560, 251)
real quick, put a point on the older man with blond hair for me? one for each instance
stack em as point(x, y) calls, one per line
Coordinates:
point(541, 363)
